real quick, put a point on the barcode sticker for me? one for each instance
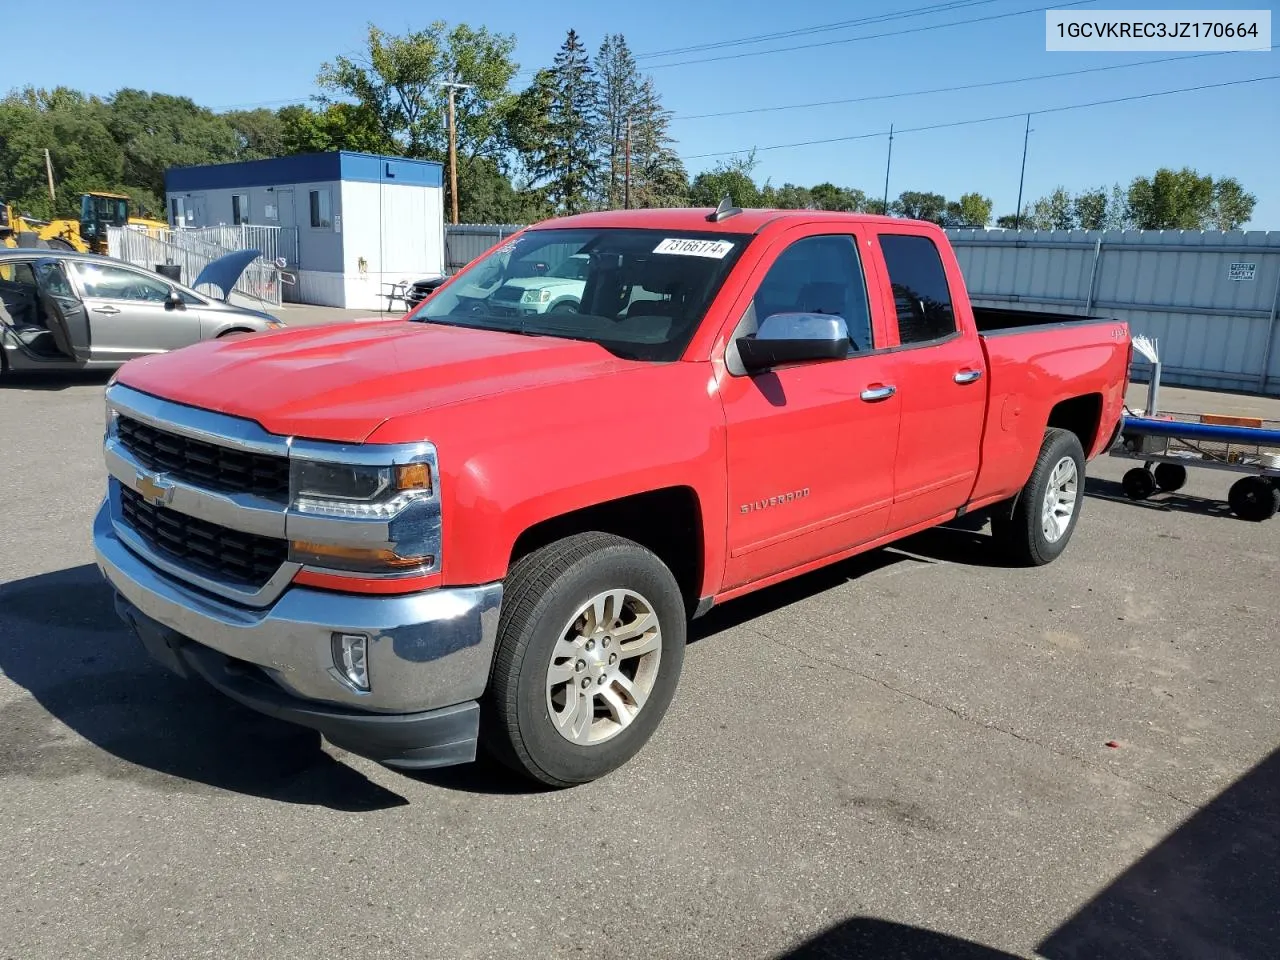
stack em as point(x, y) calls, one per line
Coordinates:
point(713, 249)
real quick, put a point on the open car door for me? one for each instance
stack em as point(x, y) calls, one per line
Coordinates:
point(64, 313)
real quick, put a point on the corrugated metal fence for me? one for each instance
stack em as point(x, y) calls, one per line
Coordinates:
point(194, 249)
point(463, 242)
point(1210, 298)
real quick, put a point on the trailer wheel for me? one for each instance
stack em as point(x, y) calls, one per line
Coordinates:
point(1138, 483)
point(1170, 476)
point(1254, 499)
point(591, 640)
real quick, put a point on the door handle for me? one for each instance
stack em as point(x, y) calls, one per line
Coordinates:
point(876, 394)
point(106, 310)
point(968, 376)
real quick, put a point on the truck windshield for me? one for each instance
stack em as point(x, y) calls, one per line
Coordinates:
point(640, 294)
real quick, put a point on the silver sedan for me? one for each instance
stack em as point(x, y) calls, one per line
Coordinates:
point(77, 311)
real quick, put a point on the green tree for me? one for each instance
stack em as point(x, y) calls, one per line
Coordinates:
point(259, 133)
point(397, 86)
point(339, 126)
point(565, 141)
point(971, 210)
point(157, 131)
point(658, 177)
point(1171, 200)
point(1232, 206)
point(1090, 208)
point(730, 178)
point(827, 196)
point(915, 205)
point(1054, 212)
point(619, 88)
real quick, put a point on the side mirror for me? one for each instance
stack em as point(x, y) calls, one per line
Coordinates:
point(174, 300)
point(794, 338)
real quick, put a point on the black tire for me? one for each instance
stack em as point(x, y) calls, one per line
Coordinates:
point(1170, 476)
point(567, 306)
point(57, 243)
point(543, 592)
point(1018, 526)
point(1138, 483)
point(1254, 499)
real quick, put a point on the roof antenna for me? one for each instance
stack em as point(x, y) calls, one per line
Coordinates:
point(724, 211)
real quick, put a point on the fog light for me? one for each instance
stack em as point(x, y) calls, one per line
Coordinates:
point(351, 657)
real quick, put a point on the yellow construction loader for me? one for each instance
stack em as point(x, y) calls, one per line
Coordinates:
point(86, 235)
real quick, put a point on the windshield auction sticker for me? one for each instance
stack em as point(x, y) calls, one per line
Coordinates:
point(1087, 30)
point(714, 249)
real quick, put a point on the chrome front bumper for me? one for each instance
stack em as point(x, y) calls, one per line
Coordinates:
point(426, 650)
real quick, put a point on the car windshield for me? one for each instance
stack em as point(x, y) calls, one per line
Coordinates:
point(640, 294)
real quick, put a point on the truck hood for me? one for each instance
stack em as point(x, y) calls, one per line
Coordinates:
point(341, 382)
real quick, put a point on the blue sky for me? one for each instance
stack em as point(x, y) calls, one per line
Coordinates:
point(239, 53)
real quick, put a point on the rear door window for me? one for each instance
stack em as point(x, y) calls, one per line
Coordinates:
point(920, 294)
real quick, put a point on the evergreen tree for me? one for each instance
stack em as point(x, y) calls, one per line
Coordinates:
point(565, 147)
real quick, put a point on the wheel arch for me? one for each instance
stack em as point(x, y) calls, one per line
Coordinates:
point(1081, 415)
point(667, 521)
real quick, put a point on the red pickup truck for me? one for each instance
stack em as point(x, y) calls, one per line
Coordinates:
point(490, 521)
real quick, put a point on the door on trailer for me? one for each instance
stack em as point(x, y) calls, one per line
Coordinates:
point(939, 370)
point(288, 248)
point(811, 445)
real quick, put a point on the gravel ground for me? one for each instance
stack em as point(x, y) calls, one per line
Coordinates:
point(916, 753)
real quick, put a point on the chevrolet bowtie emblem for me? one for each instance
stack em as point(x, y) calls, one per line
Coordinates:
point(154, 489)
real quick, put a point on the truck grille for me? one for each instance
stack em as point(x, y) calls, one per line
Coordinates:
point(203, 547)
point(508, 294)
point(206, 464)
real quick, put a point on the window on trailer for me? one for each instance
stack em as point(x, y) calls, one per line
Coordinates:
point(321, 213)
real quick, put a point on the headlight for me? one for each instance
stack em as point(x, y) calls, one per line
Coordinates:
point(376, 519)
point(536, 296)
point(358, 492)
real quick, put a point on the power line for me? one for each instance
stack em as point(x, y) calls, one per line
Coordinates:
point(951, 89)
point(965, 123)
point(816, 28)
point(871, 36)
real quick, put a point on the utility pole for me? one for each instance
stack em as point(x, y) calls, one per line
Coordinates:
point(48, 169)
point(453, 86)
point(1017, 217)
point(887, 164)
point(626, 177)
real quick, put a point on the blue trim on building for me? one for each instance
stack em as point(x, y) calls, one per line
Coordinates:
point(304, 168)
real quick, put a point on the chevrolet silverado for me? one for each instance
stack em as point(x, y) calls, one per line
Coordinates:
point(477, 526)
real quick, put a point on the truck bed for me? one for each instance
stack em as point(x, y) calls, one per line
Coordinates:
point(995, 320)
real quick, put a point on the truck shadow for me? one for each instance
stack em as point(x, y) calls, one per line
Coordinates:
point(60, 639)
point(1167, 502)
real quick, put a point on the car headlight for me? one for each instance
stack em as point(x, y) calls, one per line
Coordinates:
point(332, 499)
point(536, 296)
point(357, 491)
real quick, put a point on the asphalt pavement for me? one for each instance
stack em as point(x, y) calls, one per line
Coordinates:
point(916, 753)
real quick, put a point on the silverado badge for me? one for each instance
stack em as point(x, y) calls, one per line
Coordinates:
point(155, 489)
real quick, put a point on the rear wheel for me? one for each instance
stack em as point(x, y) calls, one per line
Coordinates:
point(590, 645)
point(1254, 499)
point(57, 243)
point(1035, 527)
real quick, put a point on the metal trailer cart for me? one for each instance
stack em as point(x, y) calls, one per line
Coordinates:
point(1168, 443)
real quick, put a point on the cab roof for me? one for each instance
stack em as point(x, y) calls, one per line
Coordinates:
point(696, 219)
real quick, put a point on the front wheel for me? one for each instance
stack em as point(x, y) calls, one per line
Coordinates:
point(1035, 528)
point(590, 645)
